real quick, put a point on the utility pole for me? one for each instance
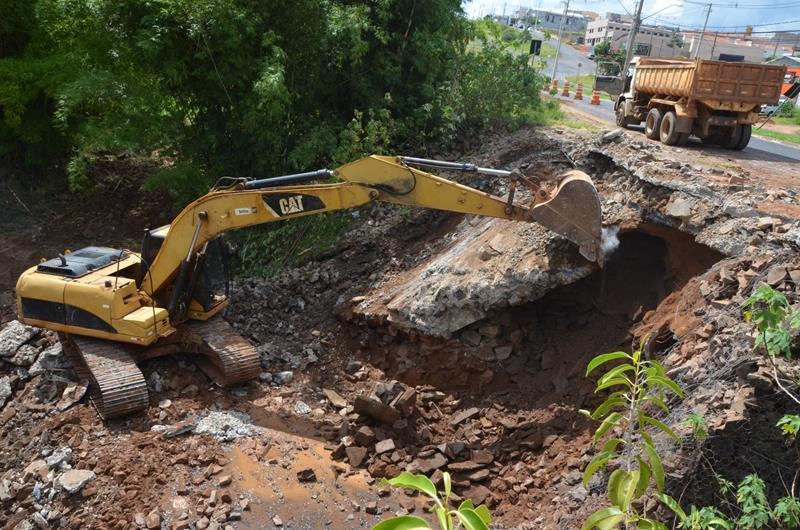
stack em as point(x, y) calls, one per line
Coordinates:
point(714, 46)
point(637, 21)
point(703, 33)
point(560, 34)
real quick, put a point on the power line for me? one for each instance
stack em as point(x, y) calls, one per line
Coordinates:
point(745, 6)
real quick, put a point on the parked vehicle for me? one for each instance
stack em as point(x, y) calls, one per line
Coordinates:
point(767, 108)
point(716, 101)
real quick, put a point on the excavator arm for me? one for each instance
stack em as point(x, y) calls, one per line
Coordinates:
point(573, 210)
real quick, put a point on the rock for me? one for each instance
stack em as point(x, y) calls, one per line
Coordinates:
point(477, 494)
point(5, 390)
point(26, 355)
point(73, 480)
point(202, 523)
point(180, 504)
point(165, 403)
point(463, 415)
point(40, 521)
point(224, 480)
point(427, 465)
point(372, 508)
point(335, 399)
point(38, 469)
point(776, 275)
point(376, 410)
point(356, 455)
point(71, 395)
point(307, 475)
point(501, 353)
point(610, 136)
point(283, 378)
point(385, 446)
point(364, 436)
point(59, 457)
point(153, 521)
point(265, 377)
point(482, 456)
point(679, 207)
point(51, 358)
point(6, 490)
point(765, 223)
point(300, 407)
point(14, 335)
point(277, 521)
point(405, 402)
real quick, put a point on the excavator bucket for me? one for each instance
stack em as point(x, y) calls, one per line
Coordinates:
point(574, 212)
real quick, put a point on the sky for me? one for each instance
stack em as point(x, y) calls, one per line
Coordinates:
point(725, 14)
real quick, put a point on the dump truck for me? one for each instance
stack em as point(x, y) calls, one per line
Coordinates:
point(716, 101)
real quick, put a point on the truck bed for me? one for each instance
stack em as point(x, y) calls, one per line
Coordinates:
point(717, 84)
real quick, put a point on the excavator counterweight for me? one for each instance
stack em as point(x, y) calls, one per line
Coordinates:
point(115, 308)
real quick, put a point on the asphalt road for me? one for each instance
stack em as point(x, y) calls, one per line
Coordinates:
point(568, 61)
point(756, 149)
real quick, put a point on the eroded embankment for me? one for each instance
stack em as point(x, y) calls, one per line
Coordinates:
point(504, 320)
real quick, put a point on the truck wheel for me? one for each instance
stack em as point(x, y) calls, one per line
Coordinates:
point(668, 132)
point(747, 131)
point(732, 139)
point(622, 121)
point(711, 139)
point(652, 124)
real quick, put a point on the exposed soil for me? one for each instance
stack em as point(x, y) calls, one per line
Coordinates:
point(495, 402)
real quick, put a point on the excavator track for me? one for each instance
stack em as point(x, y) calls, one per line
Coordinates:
point(117, 386)
point(227, 357)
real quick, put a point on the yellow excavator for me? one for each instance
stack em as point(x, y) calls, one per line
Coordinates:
point(113, 308)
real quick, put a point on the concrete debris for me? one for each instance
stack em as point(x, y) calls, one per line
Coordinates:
point(74, 480)
point(302, 408)
point(225, 426)
point(13, 335)
point(335, 399)
point(5, 390)
point(283, 378)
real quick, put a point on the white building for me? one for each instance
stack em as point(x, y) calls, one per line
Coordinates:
point(656, 41)
point(551, 20)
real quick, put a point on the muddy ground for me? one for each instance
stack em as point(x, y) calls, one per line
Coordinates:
point(389, 353)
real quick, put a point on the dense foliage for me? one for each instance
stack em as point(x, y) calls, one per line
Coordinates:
point(243, 87)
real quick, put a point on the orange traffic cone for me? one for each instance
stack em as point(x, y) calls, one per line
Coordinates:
point(554, 89)
point(595, 97)
point(579, 92)
point(565, 93)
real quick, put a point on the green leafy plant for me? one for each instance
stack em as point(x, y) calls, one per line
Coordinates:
point(789, 425)
point(752, 500)
point(754, 512)
point(466, 516)
point(774, 318)
point(698, 425)
point(635, 386)
point(706, 518)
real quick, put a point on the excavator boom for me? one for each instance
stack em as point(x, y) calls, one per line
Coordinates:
point(102, 301)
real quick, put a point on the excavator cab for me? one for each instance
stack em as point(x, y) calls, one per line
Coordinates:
point(211, 282)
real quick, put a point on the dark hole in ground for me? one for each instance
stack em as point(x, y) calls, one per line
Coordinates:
point(542, 345)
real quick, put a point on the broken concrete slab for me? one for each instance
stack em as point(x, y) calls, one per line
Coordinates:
point(13, 335)
point(456, 287)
